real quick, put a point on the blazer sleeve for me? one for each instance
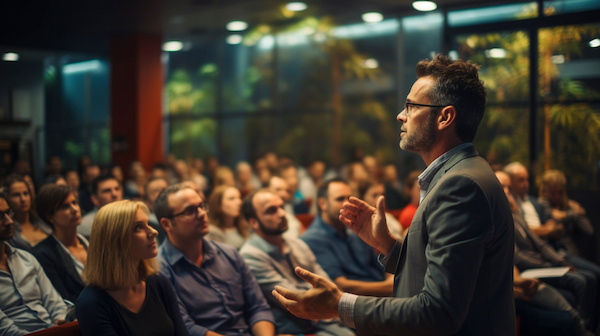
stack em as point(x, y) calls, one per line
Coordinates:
point(459, 224)
point(46, 254)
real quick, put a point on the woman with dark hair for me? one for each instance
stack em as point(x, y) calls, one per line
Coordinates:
point(225, 221)
point(64, 253)
point(125, 295)
point(29, 229)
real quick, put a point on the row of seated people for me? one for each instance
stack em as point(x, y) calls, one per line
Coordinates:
point(346, 259)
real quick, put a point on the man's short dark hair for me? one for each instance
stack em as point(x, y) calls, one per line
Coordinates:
point(100, 179)
point(457, 83)
point(324, 188)
point(248, 210)
point(161, 205)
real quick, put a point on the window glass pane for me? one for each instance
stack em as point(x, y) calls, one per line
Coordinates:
point(569, 6)
point(192, 137)
point(504, 61)
point(510, 12)
point(569, 70)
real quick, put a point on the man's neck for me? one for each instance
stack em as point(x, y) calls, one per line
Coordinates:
point(190, 249)
point(438, 149)
point(275, 240)
point(339, 227)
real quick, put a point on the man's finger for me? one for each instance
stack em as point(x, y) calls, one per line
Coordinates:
point(307, 276)
point(287, 303)
point(288, 294)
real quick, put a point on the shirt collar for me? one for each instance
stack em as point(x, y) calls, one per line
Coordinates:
point(427, 175)
point(173, 256)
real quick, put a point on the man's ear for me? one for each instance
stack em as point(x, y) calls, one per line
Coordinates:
point(165, 223)
point(322, 203)
point(447, 117)
point(253, 223)
point(95, 201)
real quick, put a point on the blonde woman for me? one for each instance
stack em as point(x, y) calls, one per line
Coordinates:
point(226, 224)
point(125, 295)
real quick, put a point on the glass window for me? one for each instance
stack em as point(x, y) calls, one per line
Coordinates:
point(504, 60)
point(482, 15)
point(569, 6)
point(569, 120)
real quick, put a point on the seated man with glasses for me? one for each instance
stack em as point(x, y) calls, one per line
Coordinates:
point(28, 302)
point(217, 293)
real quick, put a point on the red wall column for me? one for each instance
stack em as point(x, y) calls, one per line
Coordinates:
point(136, 100)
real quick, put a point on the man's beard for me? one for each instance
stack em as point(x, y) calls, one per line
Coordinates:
point(279, 230)
point(422, 138)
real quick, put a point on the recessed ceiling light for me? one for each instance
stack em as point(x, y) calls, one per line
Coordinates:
point(234, 39)
point(10, 57)
point(237, 26)
point(172, 46)
point(296, 6)
point(372, 17)
point(371, 63)
point(595, 43)
point(424, 6)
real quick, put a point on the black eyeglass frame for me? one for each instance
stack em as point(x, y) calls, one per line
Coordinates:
point(202, 206)
point(406, 104)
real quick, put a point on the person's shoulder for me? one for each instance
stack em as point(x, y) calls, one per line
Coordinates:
point(45, 245)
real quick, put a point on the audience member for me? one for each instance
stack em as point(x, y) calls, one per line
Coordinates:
point(125, 295)
point(279, 187)
point(73, 181)
point(53, 165)
point(350, 262)
point(105, 189)
point(89, 173)
point(134, 186)
point(29, 229)
point(217, 292)
point(64, 253)
point(261, 171)
point(243, 177)
point(553, 194)
point(197, 174)
point(538, 217)
point(272, 259)
point(413, 192)
point(28, 302)
point(153, 187)
point(369, 190)
point(289, 173)
point(55, 179)
point(309, 184)
point(226, 224)
point(355, 174)
point(394, 198)
point(579, 286)
point(223, 176)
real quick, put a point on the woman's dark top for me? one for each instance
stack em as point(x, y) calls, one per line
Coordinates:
point(59, 267)
point(99, 314)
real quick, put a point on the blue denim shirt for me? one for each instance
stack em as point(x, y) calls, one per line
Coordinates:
point(221, 295)
point(342, 254)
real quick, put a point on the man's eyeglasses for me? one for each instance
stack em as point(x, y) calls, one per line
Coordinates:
point(9, 212)
point(408, 107)
point(192, 210)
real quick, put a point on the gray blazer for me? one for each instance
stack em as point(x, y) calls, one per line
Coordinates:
point(453, 274)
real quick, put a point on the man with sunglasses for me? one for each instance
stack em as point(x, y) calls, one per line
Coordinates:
point(453, 273)
point(217, 293)
point(28, 301)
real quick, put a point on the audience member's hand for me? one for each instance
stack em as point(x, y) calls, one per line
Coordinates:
point(527, 286)
point(59, 321)
point(319, 302)
point(368, 222)
point(577, 208)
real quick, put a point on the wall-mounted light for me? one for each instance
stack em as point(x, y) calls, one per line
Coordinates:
point(10, 57)
point(172, 46)
point(595, 43)
point(370, 63)
point(424, 6)
point(372, 17)
point(237, 26)
point(296, 6)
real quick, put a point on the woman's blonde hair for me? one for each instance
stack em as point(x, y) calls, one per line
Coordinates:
point(109, 265)
point(216, 215)
point(554, 178)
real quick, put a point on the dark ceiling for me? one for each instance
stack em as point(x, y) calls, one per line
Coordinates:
point(87, 25)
